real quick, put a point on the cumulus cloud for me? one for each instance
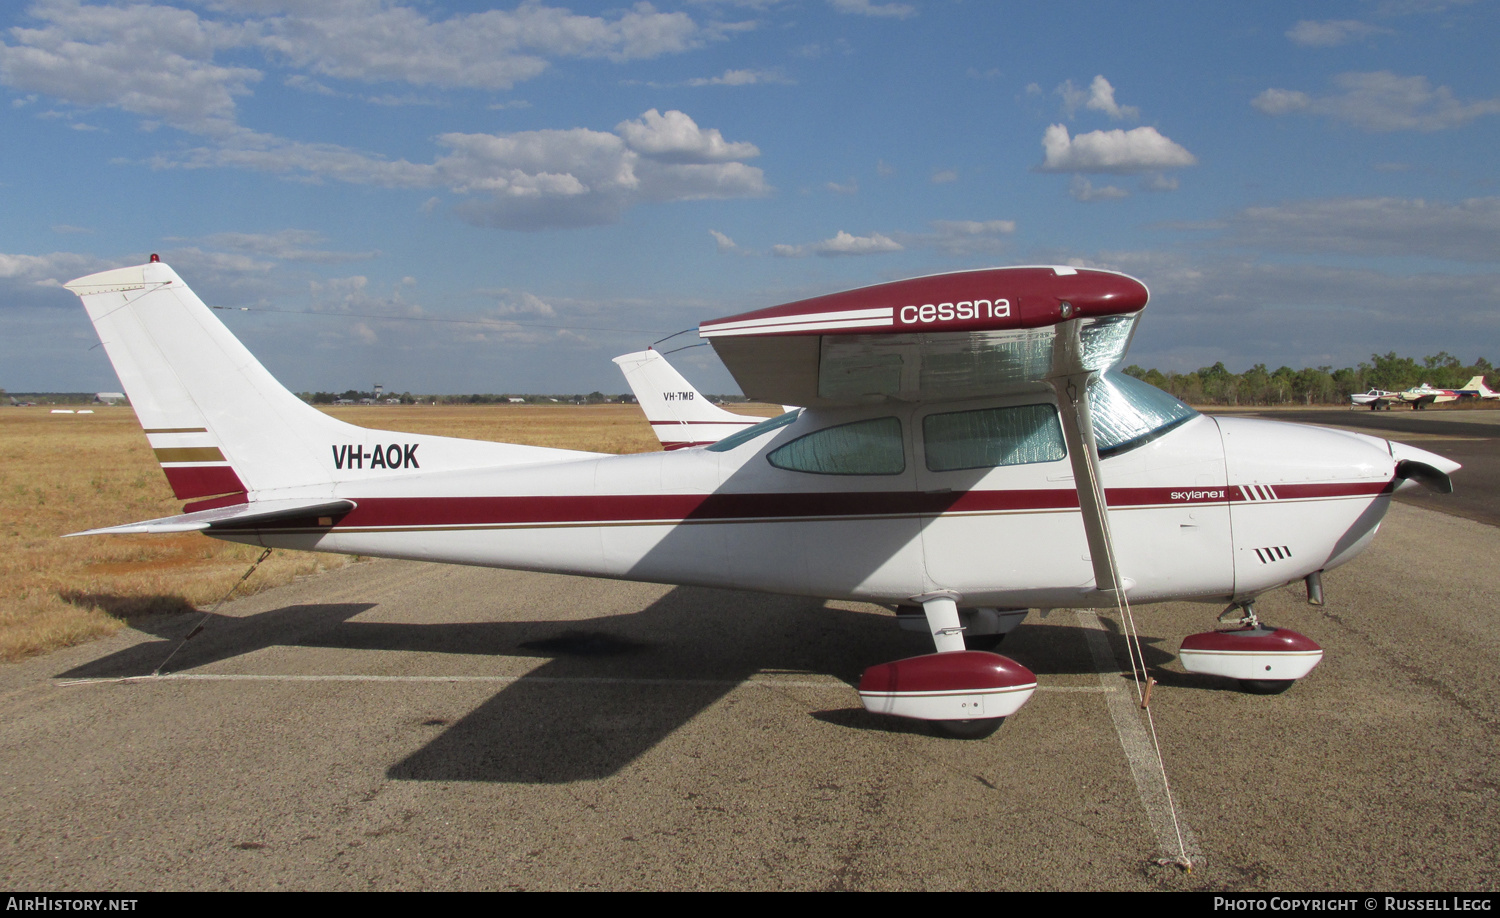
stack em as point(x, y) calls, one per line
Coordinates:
point(1467, 231)
point(676, 138)
point(1116, 152)
point(1218, 306)
point(285, 245)
point(868, 8)
point(522, 303)
point(153, 61)
point(951, 237)
point(579, 177)
point(354, 294)
point(965, 237)
point(1282, 101)
point(526, 180)
point(51, 270)
point(944, 176)
point(1099, 97)
point(841, 244)
point(1082, 189)
point(743, 78)
point(1328, 33)
point(162, 62)
point(1380, 102)
point(849, 187)
point(372, 41)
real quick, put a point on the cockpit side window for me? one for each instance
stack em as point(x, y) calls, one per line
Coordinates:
point(990, 437)
point(871, 447)
point(1128, 413)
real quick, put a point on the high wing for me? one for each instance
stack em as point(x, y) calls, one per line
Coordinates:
point(949, 336)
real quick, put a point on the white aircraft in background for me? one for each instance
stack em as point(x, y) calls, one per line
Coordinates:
point(679, 414)
point(1375, 399)
point(964, 446)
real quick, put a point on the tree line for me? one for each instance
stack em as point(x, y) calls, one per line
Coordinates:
point(1215, 385)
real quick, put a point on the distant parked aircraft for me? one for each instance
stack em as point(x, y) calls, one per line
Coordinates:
point(1375, 399)
point(1419, 397)
point(679, 414)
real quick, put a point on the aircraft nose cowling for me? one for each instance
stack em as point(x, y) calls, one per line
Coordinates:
point(1259, 452)
point(1302, 499)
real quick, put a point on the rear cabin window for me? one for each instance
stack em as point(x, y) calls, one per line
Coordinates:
point(992, 437)
point(870, 447)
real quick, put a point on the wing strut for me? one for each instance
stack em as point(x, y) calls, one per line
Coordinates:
point(1083, 453)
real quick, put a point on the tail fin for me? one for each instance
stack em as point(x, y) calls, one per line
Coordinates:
point(1477, 387)
point(679, 415)
point(221, 424)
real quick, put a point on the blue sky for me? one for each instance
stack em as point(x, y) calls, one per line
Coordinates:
point(576, 182)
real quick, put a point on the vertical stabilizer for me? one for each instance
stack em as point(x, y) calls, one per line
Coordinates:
point(1477, 387)
point(219, 423)
point(679, 415)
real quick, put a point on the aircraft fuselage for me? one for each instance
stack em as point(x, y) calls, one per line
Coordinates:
point(1211, 509)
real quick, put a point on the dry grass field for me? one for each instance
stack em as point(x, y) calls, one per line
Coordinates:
point(69, 472)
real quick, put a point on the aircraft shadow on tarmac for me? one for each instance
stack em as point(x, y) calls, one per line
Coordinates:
point(612, 687)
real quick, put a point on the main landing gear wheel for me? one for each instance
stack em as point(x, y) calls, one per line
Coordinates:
point(968, 729)
point(1266, 686)
point(982, 641)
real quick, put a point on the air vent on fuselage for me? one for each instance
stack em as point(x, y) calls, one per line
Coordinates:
point(1274, 553)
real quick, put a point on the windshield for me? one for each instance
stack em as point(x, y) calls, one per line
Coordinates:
point(1128, 413)
point(750, 433)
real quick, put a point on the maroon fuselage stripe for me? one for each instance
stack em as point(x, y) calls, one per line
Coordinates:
point(690, 508)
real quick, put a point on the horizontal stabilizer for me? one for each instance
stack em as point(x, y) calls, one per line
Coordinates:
point(238, 516)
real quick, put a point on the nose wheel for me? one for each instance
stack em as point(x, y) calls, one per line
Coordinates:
point(1264, 660)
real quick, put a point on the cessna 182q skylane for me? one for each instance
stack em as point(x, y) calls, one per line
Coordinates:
point(962, 447)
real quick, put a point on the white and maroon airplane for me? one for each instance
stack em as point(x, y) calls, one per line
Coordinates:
point(964, 448)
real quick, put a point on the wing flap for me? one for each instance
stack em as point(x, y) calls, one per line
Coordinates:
point(238, 516)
